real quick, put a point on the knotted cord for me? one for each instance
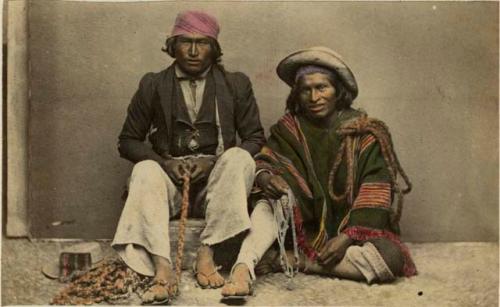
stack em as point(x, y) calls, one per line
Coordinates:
point(284, 217)
point(356, 128)
point(182, 227)
point(112, 280)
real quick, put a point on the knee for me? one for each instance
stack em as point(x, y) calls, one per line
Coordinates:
point(391, 253)
point(263, 205)
point(238, 157)
point(146, 169)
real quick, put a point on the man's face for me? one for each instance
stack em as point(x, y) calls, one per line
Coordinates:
point(316, 96)
point(193, 53)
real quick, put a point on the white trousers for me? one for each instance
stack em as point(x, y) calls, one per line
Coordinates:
point(261, 236)
point(143, 228)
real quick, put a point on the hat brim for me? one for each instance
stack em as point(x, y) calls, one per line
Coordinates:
point(318, 56)
point(51, 269)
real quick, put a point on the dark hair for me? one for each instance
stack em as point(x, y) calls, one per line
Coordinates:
point(169, 48)
point(343, 96)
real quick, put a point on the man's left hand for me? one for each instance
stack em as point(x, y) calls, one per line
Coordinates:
point(334, 250)
point(200, 167)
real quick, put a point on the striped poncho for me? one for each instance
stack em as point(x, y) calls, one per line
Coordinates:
point(303, 154)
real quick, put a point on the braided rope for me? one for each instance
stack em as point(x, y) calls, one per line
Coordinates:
point(182, 228)
point(111, 281)
point(380, 131)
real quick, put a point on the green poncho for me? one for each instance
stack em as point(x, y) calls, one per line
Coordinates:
point(303, 154)
point(340, 179)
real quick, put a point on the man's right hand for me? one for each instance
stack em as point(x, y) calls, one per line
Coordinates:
point(175, 169)
point(273, 186)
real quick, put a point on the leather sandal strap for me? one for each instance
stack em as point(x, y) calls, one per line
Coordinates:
point(196, 272)
point(172, 289)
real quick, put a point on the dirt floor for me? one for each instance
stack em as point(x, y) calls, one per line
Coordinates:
point(450, 274)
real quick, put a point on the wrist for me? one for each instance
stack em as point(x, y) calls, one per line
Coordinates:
point(346, 239)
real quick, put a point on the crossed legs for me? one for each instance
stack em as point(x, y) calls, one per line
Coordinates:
point(377, 260)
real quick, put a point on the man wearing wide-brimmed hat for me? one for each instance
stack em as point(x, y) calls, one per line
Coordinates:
point(191, 113)
point(332, 171)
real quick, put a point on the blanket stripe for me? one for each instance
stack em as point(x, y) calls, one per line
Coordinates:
point(366, 141)
point(288, 121)
point(373, 195)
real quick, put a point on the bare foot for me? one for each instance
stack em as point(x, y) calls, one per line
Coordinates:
point(164, 286)
point(206, 271)
point(240, 282)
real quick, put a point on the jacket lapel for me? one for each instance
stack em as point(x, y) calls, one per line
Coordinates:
point(166, 88)
point(224, 106)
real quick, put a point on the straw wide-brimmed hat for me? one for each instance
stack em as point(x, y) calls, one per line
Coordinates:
point(318, 56)
point(52, 268)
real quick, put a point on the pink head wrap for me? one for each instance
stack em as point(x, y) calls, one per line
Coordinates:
point(196, 22)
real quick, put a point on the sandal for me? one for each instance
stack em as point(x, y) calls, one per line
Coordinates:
point(171, 292)
point(238, 296)
point(206, 276)
point(237, 286)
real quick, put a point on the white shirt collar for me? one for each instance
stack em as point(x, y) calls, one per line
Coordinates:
point(180, 74)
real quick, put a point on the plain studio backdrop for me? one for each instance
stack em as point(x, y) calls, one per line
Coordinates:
point(429, 70)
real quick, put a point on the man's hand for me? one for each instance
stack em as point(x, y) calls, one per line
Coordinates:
point(200, 168)
point(273, 185)
point(334, 249)
point(175, 169)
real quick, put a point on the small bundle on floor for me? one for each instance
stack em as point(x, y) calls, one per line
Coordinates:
point(111, 281)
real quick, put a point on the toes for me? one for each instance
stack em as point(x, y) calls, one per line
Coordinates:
point(228, 290)
point(155, 293)
point(220, 282)
point(148, 297)
point(235, 288)
point(202, 280)
point(160, 296)
point(216, 281)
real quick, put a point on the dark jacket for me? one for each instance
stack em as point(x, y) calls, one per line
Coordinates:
point(150, 114)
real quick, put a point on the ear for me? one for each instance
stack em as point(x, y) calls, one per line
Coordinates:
point(171, 49)
point(170, 46)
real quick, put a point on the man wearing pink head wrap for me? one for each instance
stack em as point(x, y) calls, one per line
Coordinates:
point(191, 22)
point(191, 113)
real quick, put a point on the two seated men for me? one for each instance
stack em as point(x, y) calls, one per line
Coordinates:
point(336, 165)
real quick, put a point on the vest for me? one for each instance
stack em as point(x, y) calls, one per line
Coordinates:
point(200, 137)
